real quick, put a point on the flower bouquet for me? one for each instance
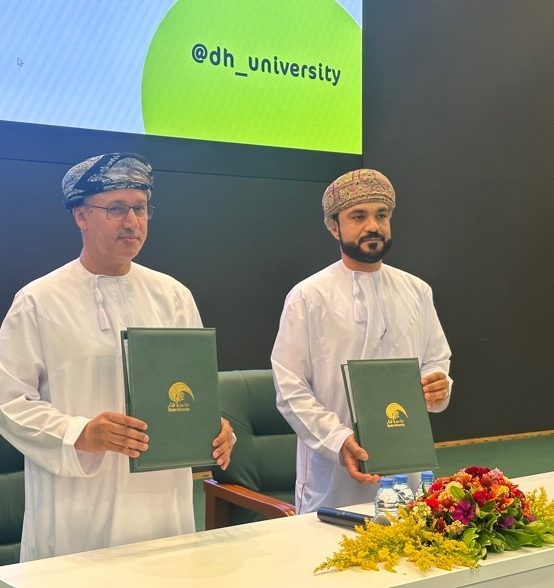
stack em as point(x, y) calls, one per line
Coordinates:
point(460, 519)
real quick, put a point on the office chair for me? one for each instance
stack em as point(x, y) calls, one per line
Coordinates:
point(259, 482)
point(12, 502)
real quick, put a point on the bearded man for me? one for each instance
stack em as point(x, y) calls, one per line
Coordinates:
point(357, 308)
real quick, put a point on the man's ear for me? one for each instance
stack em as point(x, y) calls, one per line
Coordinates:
point(80, 216)
point(335, 231)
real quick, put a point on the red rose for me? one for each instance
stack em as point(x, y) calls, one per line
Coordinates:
point(482, 496)
point(435, 486)
point(477, 470)
point(433, 503)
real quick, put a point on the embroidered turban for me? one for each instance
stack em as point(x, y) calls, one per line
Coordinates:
point(103, 173)
point(356, 187)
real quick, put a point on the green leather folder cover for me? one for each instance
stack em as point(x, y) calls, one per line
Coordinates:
point(171, 384)
point(389, 415)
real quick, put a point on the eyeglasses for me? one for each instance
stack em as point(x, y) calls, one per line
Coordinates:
point(120, 211)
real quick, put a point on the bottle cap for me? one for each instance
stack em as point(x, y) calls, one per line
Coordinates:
point(401, 478)
point(386, 481)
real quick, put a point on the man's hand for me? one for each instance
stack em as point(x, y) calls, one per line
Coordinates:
point(350, 453)
point(223, 444)
point(113, 431)
point(435, 388)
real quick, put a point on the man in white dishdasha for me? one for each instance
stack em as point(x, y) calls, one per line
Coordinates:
point(356, 308)
point(62, 400)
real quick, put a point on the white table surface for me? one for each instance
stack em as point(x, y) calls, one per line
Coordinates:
point(280, 552)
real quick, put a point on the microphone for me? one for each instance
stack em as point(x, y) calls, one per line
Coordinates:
point(347, 518)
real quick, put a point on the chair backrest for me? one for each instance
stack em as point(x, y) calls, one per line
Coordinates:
point(264, 456)
point(12, 502)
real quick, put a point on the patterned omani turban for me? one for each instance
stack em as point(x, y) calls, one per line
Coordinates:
point(355, 187)
point(103, 173)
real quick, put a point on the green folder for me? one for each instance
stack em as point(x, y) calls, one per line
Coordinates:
point(389, 415)
point(171, 384)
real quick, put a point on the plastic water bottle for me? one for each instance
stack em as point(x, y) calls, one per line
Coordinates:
point(405, 494)
point(427, 479)
point(386, 499)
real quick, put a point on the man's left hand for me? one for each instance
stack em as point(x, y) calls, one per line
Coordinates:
point(223, 444)
point(435, 388)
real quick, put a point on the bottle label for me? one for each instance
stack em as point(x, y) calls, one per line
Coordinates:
point(387, 500)
point(405, 494)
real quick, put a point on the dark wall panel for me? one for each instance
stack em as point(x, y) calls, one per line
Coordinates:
point(459, 111)
point(238, 243)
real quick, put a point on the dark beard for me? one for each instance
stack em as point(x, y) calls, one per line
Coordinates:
point(354, 251)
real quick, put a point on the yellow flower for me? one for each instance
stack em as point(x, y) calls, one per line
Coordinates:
point(499, 490)
point(378, 546)
point(541, 507)
point(445, 495)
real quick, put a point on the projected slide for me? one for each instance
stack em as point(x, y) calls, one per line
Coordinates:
point(283, 73)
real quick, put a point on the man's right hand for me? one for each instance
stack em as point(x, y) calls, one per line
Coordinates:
point(113, 431)
point(350, 454)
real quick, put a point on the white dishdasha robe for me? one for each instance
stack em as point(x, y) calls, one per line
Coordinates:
point(60, 365)
point(334, 316)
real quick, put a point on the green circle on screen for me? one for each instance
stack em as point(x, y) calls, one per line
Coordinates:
point(284, 73)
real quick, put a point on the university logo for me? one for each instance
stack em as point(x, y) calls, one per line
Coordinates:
point(394, 412)
point(178, 397)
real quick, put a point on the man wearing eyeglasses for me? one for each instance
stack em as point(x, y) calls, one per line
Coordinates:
point(61, 387)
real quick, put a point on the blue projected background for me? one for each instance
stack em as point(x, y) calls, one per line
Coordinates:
point(130, 66)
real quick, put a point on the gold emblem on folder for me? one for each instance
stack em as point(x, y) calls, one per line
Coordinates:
point(394, 412)
point(178, 397)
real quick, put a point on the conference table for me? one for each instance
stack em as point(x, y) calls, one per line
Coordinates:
point(274, 553)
